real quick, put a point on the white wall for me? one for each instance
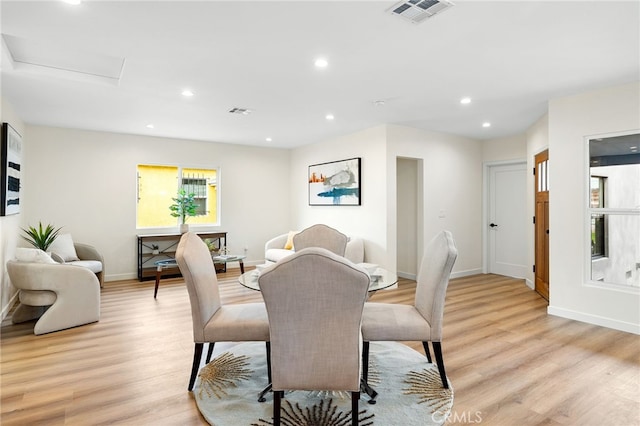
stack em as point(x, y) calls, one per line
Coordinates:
point(452, 185)
point(9, 225)
point(537, 142)
point(571, 119)
point(86, 182)
point(368, 220)
point(509, 148)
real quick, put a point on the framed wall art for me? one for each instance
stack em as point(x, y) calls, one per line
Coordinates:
point(335, 184)
point(10, 156)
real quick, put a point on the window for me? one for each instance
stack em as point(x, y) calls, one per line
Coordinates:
point(158, 185)
point(614, 209)
point(598, 233)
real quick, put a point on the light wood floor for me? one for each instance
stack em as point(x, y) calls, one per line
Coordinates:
point(509, 362)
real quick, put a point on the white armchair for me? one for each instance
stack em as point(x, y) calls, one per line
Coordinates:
point(65, 250)
point(61, 296)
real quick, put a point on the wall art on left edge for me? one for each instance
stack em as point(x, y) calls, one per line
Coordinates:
point(335, 184)
point(11, 154)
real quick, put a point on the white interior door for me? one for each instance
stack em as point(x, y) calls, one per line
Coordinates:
point(507, 223)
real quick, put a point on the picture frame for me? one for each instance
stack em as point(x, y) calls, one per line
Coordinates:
point(10, 165)
point(336, 183)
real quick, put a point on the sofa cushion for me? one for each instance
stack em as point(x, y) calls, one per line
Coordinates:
point(94, 266)
point(63, 247)
point(32, 255)
point(274, 255)
point(289, 244)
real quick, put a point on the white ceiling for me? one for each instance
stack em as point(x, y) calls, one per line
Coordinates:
point(510, 57)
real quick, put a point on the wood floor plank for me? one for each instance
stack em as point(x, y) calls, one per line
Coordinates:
point(510, 363)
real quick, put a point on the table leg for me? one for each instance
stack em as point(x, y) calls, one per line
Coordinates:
point(158, 275)
point(241, 266)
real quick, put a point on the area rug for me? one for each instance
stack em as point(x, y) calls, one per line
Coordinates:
point(409, 392)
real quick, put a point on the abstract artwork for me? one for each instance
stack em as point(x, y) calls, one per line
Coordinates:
point(10, 154)
point(335, 184)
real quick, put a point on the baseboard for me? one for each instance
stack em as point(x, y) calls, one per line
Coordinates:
point(530, 284)
point(457, 274)
point(406, 275)
point(120, 277)
point(467, 273)
point(594, 319)
point(12, 300)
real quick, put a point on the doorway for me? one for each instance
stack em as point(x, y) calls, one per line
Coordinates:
point(409, 216)
point(506, 220)
point(541, 183)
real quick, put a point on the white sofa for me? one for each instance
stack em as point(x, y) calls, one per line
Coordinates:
point(274, 249)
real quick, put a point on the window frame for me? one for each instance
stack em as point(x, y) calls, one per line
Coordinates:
point(606, 212)
point(182, 166)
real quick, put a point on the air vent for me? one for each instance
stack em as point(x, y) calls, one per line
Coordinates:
point(417, 11)
point(242, 111)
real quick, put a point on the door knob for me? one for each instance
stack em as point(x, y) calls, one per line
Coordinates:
point(493, 225)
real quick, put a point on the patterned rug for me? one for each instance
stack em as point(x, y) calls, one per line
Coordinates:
point(409, 392)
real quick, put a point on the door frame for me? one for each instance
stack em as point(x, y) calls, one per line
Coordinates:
point(486, 167)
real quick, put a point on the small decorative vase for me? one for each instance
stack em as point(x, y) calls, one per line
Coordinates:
point(184, 228)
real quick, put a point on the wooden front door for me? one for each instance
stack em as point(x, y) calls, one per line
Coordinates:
point(541, 179)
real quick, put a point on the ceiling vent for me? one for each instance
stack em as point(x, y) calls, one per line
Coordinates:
point(241, 111)
point(417, 11)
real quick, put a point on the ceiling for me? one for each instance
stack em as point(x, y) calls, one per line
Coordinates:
point(509, 57)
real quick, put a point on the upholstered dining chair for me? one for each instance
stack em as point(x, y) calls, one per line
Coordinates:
point(314, 300)
point(213, 321)
point(321, 235)
point(421, 321)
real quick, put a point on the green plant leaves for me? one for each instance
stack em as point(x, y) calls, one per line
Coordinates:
point(40, 237)
point(184, 205)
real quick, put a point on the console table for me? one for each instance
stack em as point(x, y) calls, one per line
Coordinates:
point(156, 247)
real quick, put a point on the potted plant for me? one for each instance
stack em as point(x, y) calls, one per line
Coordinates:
point(41, 237)
point(183, 207)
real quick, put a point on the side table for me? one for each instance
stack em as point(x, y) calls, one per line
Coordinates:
point(172, 263)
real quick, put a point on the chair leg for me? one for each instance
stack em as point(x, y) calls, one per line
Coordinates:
point(210, 351)
point(437, 350)
point(426, 351)
point(355, 398)
point(269, 361)
point(365, 361)
point(197, 356)
point(276, 407)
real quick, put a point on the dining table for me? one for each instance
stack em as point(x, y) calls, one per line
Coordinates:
point(379, 279)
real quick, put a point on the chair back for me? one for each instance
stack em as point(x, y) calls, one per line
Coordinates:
point(199, 273)
point(321, 236)
point(433, 279)
point(314, 301)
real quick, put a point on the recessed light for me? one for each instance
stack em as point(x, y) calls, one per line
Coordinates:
point(486, 124)
point(150, 126)
point(321, 63)
point(465, 101)
point(187, 92)
point(329, 117)
point(268, 139)
point(379, 103)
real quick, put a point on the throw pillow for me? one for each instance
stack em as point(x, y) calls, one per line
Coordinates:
point(63, 247)
point(289, 244)
point(32, 255)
